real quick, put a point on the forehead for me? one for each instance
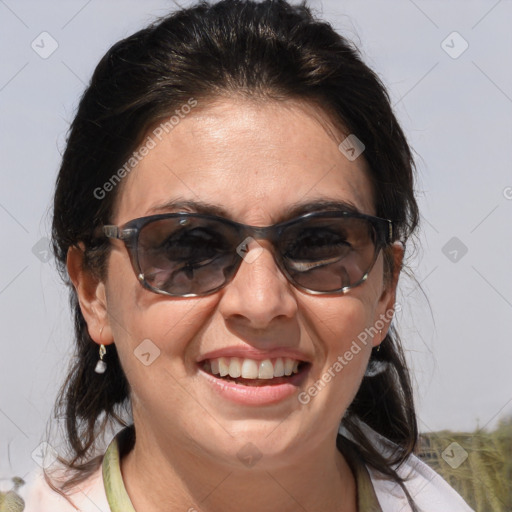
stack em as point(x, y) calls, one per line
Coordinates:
point(252, 160)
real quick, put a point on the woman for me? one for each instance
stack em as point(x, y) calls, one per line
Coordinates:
point(231, 211)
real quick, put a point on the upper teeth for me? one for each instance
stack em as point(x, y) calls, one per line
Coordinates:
point(251, 369)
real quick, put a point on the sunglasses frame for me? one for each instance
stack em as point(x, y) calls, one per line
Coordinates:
point(129, 233)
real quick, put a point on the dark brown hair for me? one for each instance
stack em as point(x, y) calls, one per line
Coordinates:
point(266, 50)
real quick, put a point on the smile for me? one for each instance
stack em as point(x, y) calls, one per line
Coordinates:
point(253, 381)
point(247, 370)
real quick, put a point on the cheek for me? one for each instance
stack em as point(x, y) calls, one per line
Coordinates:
point(342, 329)
point(340, 320)
point(149, 328)
point(339, 323)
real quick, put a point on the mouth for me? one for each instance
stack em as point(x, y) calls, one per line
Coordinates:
point(252, 372)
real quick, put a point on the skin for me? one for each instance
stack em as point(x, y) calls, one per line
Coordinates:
point(251, 159)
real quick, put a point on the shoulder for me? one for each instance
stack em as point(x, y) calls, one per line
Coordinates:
point(88, 496)
point(430, 492)
point(427, 488)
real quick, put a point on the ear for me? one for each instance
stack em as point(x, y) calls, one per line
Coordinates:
point(386, 305)
point(91, 296)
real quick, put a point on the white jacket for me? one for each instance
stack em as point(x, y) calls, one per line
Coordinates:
point(428, 490)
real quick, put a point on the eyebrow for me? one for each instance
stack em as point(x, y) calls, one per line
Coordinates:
point(290, 212)
point(300, 208)
point(191, 206)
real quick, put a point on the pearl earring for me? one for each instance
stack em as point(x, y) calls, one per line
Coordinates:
point(101, 365)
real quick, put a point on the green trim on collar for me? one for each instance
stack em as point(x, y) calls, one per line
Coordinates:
point(366, 497)
point(123, 442)
point(117, 497)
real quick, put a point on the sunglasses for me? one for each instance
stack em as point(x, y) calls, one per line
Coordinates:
point(189, 254)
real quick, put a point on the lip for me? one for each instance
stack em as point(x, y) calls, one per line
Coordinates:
point(253, 353)
point(255, 395)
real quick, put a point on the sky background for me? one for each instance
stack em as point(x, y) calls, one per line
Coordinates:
point(446, 65)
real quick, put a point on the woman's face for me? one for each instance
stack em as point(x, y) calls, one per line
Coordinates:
point(254, 161)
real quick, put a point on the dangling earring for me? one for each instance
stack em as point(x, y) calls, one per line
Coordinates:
point(376, 367)
point(101, 365)
point(378, 346)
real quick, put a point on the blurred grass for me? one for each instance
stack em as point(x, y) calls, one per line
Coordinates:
point(484, 478)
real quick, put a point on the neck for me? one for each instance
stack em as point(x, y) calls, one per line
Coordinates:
point(158, 472)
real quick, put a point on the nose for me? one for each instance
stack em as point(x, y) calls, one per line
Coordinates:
point(259, 294)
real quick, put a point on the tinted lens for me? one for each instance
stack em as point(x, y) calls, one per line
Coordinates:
point(187, 255)
point(328, 254)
